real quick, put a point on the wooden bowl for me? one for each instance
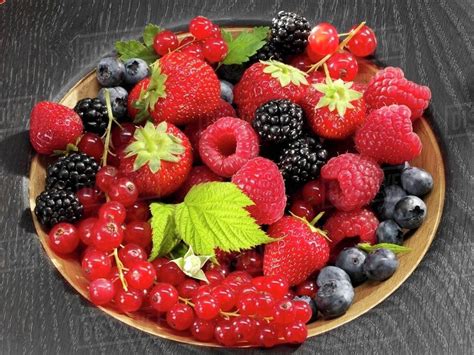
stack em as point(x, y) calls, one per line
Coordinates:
point(367, 296)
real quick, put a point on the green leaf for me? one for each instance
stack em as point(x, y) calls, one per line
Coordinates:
point(149, 33)
point(245, 45)
point(164, 237)
point(135, 49)
point(393, 247)
point(213, 215)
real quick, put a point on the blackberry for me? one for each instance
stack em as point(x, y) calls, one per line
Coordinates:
point(55, 206)
point(301, 161)
point(268, 51)
point(279, 121)
point(72, 172)
point(290, 32)
point(93, 114)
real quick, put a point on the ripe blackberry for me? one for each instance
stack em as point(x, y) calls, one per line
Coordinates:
point(301, 161)
point(93, 114)
point(72, 172)
point(290, 32)
point(55, 206)
point(268, 51)
point(279, 121)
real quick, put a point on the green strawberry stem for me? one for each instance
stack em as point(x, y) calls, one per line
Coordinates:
point(341, 46)
point(311, 225)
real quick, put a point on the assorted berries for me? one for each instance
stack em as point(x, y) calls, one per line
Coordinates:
point(281, 123)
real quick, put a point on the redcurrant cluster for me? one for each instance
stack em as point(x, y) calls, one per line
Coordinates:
point(324, 47)
point(206, 41)
point(310, 200)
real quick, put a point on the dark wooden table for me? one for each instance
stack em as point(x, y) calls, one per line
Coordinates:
point(47, 45)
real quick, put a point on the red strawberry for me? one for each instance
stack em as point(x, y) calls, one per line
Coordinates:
point(181, 89)
point(301, 250)
point(158, 159)
point(334, 110)
point(265, 81)
point(53, 126)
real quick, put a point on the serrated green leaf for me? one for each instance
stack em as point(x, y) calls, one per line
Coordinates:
point(164, 237)
point(135, 49)
point(149, 33)
point(213, 215)
point(245, 45)
point(393, 247)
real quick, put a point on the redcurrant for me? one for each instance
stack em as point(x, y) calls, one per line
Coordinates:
point(101, 291)
point(203, 330)
point(188, 288)
point(162, 297)
point(283, 312)
point(138, 233)
point(225, 333)
point(250, 261)
point(214, 277)
point(64, 238)
point(123, 191)
point(201, 27)
point(105, 177)
point(96, 264)
point(245, 328)
point(303, 311)
point(225, 297)
point(206, 307)
point(141, 275)
point(92, 145)
point(323, 39)
point(314, 192)
point(112, 211)
point(91, 199)
point(303, 209)
point(128, 301)
point(130, 254)
point(165, 42)
point(180, 316)
point(267, 336)
point(363, 43)
point(307, 288)
point(214, 49)
point(296, 333)
point(107, 235)
point(84, 229)
point(139, 211)
point(123, 134)
point(171, 273)
point(342, 65)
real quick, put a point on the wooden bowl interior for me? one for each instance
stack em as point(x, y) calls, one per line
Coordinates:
point(367, 296)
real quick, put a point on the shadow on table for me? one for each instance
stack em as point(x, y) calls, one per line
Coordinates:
point(15, 153)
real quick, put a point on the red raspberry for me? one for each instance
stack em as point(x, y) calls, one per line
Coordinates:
point(349, 228)
point(352, 181)
point(389, 86)
point(387, 135)
point(261, 180)
point(198, 175)
point(227, 144)
point(195, 129)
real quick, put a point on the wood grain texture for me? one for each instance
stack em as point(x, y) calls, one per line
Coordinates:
point(47, 45)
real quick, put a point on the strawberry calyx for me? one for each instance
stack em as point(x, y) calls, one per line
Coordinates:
point(285, 73)
point(312, 224)
point(153, 144)
point(337, 94)
point(149, 97)
point(191, 264)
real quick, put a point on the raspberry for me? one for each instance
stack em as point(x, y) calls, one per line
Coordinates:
point(198, 175)
point(353, 181)
point(349, 228)
point(389, 86)
point(261, 180)
point(226, 145)
point(387, 135)
point(195, 129)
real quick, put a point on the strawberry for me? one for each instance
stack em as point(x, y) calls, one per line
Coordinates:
point(53, 126)
point(334, 110)
point(181, 89)
point(265, 81)
point(301, 250)
point(158, 159)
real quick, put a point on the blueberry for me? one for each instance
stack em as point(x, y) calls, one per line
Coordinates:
point(391, 194)
point(389, 232)
point(380, 265)
point(351, 260)
point(312, 304)
point(110, 72)
point(417, 181)
point(118, 100)
point(227, 91)
point(136, 69)
point(409, 212)
point(330, 273)
point(334, 298)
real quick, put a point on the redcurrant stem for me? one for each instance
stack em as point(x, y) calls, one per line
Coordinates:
point(343, 34)
point(341, 46)
point(120, 268)
point(186, 301)
point(109, 127)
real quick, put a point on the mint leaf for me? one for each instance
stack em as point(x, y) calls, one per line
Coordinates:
point(135, 49)
point(393, 247)
point(149, 34)
point(164, 237)
point(213, 215)
point(245, 45)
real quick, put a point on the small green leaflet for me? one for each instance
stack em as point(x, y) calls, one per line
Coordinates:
point(136, 49)
point(149, 34)
point(393, 247)
point(213, 215)
point(164, 236)
point(245, 45)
